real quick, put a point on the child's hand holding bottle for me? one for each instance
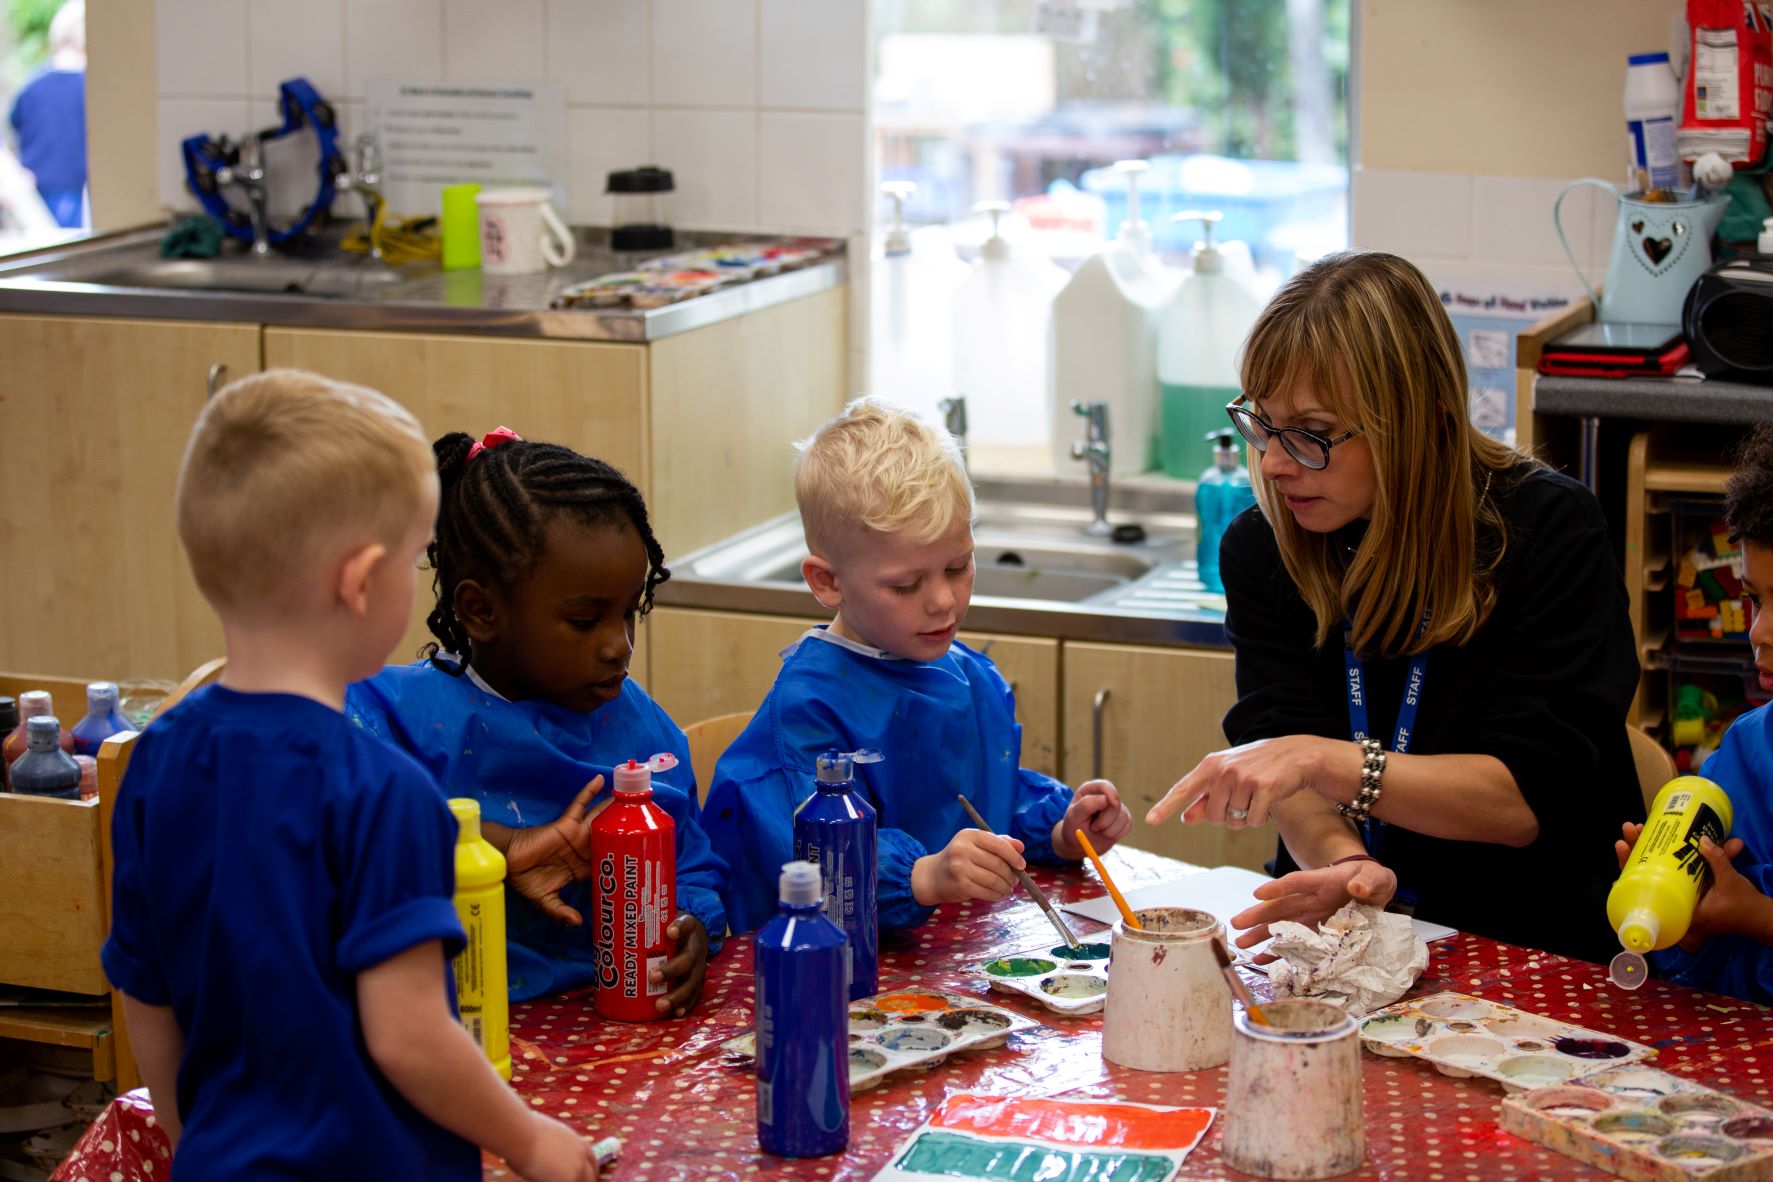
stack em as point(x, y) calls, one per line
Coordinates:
point(542, 860)
point(684, 973)
point(1095, 808)
point(975, 865)
point(1730, 906)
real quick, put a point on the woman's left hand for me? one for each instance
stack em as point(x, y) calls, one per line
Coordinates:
point(1312, 896)
point(1239, 786)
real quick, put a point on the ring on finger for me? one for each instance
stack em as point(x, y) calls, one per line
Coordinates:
point(1237, 814)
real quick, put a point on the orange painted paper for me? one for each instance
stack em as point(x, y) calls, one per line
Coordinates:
point(1073, 1122)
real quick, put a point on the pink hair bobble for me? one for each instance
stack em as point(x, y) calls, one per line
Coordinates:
point(492, 439)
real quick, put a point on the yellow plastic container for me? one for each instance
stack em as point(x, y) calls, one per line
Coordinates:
point(480, 967)
point(1651, 905)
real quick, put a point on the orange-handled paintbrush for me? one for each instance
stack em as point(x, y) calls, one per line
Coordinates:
point(1126, 912)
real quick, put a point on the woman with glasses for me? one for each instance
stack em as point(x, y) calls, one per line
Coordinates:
point(1434, 657)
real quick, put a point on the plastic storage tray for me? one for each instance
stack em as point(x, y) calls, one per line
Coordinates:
point(1057, 977)
point(1642, 1123)
point(1464, 1035)
point(912, 1028)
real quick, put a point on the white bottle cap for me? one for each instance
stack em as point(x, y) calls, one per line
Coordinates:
point(1628, 970)
point(997, 247)
point(1207, 259)
point(635, 776)
point(1133, 230)
point(800, 885)
point(898, 239)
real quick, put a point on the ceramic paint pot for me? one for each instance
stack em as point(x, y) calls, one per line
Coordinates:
point(1293, 1097)
point(1169, 1008)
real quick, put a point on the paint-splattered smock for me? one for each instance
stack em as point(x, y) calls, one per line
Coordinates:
point(1743, 768)
point(524, 762)
point(945, 726)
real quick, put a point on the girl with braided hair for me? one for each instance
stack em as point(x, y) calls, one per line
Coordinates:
point(544, 562)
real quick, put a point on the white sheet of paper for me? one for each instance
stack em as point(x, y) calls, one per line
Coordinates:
point(1222, 892)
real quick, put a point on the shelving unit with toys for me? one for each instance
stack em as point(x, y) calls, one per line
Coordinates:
point(1684, 580)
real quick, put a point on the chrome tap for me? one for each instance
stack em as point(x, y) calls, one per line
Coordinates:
point(248, 175)
point(954, 417)
point(364, 178)
point(1094, 451)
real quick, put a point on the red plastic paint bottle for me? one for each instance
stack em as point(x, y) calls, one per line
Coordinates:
point(633, 892)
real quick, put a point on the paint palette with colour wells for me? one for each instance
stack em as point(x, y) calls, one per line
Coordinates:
point(912, 1028)
point(1648, 1125)
point(1066, 980)
point(1464, 1035)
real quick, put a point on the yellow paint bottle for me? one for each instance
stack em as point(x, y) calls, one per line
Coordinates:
point(480, 967)
point(1651, 905)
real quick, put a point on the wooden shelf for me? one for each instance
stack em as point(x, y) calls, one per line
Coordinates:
point(65, 1026)
point(1675, 477)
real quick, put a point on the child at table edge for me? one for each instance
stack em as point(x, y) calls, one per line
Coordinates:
point(887, 508)
point(1729, 947)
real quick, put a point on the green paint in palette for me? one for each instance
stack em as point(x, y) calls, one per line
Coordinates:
point(951, 1156)
point(1020, 966)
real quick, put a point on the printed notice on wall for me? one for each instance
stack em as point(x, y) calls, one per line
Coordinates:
point(1488, 312)
point(434, 134)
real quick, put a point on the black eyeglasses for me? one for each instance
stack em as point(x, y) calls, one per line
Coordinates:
point(1308, 447)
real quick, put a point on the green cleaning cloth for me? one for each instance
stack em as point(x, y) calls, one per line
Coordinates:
point(197, 237)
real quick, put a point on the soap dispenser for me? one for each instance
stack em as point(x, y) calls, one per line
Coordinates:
point(1222, 492)
point(1199, 338)
point(1001, 315)
point(911, 311)
point(1104, 341)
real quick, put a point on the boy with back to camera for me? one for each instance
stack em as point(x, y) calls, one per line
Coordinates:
point(1729, 947)
point(282, 905)
point(888, 513)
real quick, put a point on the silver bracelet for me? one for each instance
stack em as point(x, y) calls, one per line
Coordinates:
point(1372, 773)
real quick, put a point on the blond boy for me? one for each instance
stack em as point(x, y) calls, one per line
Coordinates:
point(888, 514)
point(282, 891)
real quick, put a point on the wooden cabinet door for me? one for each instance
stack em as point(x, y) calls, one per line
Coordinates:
point(94, 415)
point(703, 664)
point(1159, 714)
point(582, 394)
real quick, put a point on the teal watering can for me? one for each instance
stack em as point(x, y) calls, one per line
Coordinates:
point(1660, 249)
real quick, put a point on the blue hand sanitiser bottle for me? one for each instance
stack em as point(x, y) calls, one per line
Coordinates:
point(803, 1070)
point(835, 829)
point(1222, 492)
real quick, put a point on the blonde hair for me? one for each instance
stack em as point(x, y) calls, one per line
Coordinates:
point(283, 464)
point(1365, 331)
point(877, 468)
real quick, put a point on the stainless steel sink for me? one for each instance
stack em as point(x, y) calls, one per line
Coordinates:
point(274, 275)
point(1036, 570)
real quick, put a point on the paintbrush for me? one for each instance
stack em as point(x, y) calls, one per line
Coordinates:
point(1126, 912)
point(1238, 989)
point(1022, 877)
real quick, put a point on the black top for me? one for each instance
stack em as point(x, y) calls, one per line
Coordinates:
point(1543, 687)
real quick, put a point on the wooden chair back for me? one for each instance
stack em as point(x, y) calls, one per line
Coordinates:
point(1655, 766)
point(707, 740)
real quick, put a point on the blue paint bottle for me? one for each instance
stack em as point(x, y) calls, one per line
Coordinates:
point(835, 829)
point(803, 1070)
point(103, 718)
point(45, 769)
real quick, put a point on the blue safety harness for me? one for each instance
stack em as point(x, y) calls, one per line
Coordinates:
point(301, 107)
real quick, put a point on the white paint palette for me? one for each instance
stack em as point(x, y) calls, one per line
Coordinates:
point(1066, 980)
point(1648, 1125)
point(1464, 1035)
point(912, 1028)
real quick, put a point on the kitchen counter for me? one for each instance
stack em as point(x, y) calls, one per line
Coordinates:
point(123, 275)
point(1665, 400)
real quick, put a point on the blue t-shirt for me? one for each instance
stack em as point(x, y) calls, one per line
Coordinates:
point(946, 727)
point(525, 762)
point(265, 853)
point(1743, 767)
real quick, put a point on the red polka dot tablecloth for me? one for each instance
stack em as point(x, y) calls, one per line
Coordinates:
point(684, 1108)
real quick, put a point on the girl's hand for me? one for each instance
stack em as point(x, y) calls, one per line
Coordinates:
point(975, 865)
point(687, 969)
point(544, 859)
point(1239, 786)
point(1095, 808)
point(1312, 896)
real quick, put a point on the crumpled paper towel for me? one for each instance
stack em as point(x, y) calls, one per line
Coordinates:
point(1361, 958)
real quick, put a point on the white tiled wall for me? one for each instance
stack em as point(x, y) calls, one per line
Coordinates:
point(757, 106)
point(1480, 223)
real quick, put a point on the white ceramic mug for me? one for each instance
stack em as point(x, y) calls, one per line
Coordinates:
point(520, 234)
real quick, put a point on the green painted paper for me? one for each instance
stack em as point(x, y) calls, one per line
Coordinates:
point(952, 1156)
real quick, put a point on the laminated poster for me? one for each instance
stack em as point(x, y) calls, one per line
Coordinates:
point(1026, 1139)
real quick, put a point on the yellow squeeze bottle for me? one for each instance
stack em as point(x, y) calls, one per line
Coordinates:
point(1651, 905)
point(480, 967)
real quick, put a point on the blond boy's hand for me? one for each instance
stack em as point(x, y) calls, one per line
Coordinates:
point(555, 1154)
point(975, 865)
point(1095, 808)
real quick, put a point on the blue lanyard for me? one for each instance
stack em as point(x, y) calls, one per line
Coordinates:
point(1373, 831)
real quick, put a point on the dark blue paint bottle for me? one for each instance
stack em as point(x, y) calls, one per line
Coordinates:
point(803, 1066)
point(103, 718)
point(835, 829)
point(45, 769)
